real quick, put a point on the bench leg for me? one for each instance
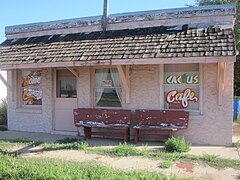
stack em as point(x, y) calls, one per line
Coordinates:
point(126, 135)
point(136, 135)
point(87, 133)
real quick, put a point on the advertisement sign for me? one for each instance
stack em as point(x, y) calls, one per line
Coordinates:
point(181, 98)
point(107, 83)
point(182, 79)
point(31, 91)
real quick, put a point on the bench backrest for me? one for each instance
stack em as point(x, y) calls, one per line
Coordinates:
point(107, 116)
point(158, 117)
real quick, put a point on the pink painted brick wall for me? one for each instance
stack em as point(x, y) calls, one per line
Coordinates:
point(213, 127)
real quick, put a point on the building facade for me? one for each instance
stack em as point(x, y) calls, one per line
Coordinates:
point(164, 59)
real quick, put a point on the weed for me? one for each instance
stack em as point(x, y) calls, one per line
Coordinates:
point(209, 158)
point(144, 151)
point(166, 164)
point(238, 147)
point(124, 150)
point(172, 156)
point(80, 146)
point(18, 142)
point(3, 112)
point(177, 145)
point(77, 145)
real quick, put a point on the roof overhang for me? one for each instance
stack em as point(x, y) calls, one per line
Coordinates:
point(156, 61)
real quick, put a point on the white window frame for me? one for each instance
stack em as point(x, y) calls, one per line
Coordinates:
point(94, 87)
point(162, 86)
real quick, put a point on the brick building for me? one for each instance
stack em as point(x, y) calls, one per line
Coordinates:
point(164, 59)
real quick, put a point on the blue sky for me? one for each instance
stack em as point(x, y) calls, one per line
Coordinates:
point(14, 12)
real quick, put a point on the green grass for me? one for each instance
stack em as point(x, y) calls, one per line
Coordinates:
point(3, 112)
point(16, 168)
point(177, 145)
point(13, 143)
point(78, 145)
point(123, 150)
point(220, 163)
point(166, 164)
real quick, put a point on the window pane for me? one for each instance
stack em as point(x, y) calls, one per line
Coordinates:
point(31, 78)
point(66, 84)
point(181, 86)
point(108, 97)
point(32, 96)
point(181, 97)
point(181, 74)
point(107, 87)
point(30, 87)
point(68, 88)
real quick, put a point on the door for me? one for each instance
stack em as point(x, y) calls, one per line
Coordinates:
point(65, 100)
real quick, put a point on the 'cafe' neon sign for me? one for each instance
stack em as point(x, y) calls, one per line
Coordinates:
point(181, 97)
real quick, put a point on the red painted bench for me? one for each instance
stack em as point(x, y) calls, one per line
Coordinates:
point(168, 121)
point(115, 119)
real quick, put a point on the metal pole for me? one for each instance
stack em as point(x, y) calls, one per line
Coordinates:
point(105, 15)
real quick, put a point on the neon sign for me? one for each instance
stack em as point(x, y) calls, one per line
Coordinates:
point(33, 78)
point(181, 97)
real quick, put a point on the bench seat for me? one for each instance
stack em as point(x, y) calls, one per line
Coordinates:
point(150, 121)
point(101, 124)
point(115, 119)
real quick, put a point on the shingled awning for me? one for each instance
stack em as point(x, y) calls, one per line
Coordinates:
point(153, 43)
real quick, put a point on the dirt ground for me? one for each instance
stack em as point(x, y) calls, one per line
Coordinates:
point(182, 169)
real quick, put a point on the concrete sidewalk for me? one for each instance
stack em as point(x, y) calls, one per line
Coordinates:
point(221, 151)
point(43, 137)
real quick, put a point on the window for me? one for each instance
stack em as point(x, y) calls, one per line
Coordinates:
point(107, 88)
point(31, 91)
point(181, 87)
point(66, 84)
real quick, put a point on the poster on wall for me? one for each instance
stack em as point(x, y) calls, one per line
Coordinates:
point(181, 100)
point(31, 90)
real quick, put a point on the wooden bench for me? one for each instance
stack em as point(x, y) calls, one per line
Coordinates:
point(114, 119)
point(167, 121)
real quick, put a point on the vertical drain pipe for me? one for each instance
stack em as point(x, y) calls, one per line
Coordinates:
point(105, 15)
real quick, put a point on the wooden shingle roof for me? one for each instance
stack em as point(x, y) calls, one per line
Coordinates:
point(152, 42)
